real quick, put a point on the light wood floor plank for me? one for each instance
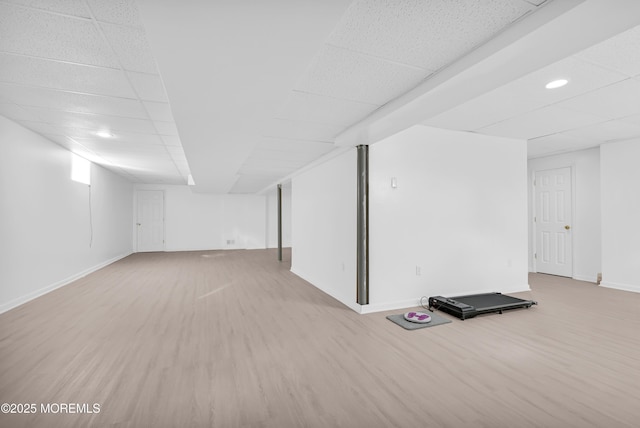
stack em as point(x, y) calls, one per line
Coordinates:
point(233, 339)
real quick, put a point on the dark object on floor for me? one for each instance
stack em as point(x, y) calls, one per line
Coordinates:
point(408, 325)
point(469, 306)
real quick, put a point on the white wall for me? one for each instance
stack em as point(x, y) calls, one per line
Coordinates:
point(585, 228)
point(458, 214)
point(46, 224)
point(620, 183)
point(323, 227)
point(272, 216)
point(203, 221)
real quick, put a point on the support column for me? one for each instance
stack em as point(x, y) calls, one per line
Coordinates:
point(279, 222)
point(362, 258)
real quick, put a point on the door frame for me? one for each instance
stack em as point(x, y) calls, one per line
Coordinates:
point(135, 218)
point(534, 208)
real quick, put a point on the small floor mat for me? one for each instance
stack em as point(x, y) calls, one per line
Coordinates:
point(408, 325)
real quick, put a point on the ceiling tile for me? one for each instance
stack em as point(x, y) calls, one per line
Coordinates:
point(179, 159)
point(93, 122)
point(299, 130)
point(61, 140)
point(81, 134)
point(183, 170)
point(541, 122)
point(79, 149)
point(253, 183)
point(619, 53)
point(65, 80)
point(269, 148)
point(177, 180)
point(145, 162)
point(293, 156)
point(65, 76)
point(558, 143)
point(66, 142)
point(635, 119)
point(53, 129)
point(526, 94)
point(268, 169)
point(175, 151)
point(315, 108)
point(617, 100)
point(256, 165)
point(166, 128)
point(111, 148)
point(159, 111)
point(67, 7)
point(17, 113)
point(426, 34)
point(148, 86)
point(123, 12)
point(119, 137)
point(69, 101)
point(607, 131)
point(35, 33)
point(346, 74)
point(131, 47)
point(171, 140)
point(385, 48)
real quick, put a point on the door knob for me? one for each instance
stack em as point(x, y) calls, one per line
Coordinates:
point(141, 224)
point(567, 227)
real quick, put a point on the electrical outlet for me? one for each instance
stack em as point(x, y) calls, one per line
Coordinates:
point(418, 271)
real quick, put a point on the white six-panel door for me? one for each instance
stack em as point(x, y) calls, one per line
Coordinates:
point(150, 221)
point(553, 251)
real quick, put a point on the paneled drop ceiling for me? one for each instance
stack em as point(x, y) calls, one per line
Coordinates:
point(356, 57)
point(601, 102)
point(71, 70)
point(255, 91)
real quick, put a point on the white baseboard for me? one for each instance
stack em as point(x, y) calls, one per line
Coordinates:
point(585, 278)
point(226, 248)
point(520, 289)
point(413, 303)
point(400, 304)
point(42, 291)
point(623, 287)
point(351, 305)
point(389, 306)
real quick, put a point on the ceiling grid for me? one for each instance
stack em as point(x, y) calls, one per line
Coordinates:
point(99, 58)
point(258, 92)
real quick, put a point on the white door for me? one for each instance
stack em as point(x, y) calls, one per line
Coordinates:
point(553, 253)
point(150, 222)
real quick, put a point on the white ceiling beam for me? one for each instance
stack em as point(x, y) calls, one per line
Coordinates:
point(557, 30)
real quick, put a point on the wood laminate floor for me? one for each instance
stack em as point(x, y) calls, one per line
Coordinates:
point(233, 339)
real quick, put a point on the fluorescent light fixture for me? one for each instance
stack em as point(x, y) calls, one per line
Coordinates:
point(80, 169)
point(190, 181)
point(104, 134)
point(556, 84)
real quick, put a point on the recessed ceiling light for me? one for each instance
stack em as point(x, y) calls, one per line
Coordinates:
point(104, 134)
point(556, 84)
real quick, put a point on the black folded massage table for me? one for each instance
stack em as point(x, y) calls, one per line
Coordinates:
point(469, 306)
